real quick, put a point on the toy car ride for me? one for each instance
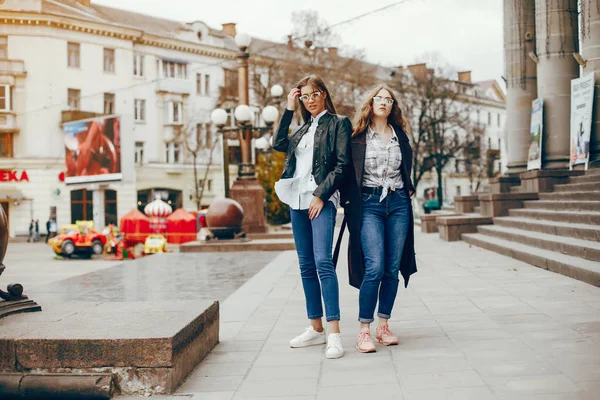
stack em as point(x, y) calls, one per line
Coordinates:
point(80, 239)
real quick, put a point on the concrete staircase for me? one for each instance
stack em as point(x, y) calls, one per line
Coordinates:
point(559, 232)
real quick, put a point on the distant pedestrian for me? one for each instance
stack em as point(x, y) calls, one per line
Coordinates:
point(379, 212)
point(311, 190)
point(31, 226)
point(36, 238)
point(47, 230)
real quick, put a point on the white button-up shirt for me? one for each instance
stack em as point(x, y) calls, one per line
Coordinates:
point(297, 192)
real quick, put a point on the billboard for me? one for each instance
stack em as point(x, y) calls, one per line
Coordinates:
point(93, 150)
point(582, 101)
point(534, 156)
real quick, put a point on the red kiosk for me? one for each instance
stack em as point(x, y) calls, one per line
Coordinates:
point(181, 227)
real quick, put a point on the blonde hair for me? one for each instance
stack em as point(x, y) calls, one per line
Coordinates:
point(364, 114)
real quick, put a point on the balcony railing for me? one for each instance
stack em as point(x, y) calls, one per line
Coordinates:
point(8, 122)
point(174, 85)
point(12, 67)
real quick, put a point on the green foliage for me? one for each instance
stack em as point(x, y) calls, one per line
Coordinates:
point(269, 168)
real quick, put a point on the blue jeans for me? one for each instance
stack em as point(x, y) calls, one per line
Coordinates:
point(383, 231)
point(314, 242)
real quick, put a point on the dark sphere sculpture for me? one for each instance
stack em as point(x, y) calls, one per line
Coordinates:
point(224, 218)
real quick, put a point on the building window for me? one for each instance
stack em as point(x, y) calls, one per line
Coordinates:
point(110, 207)
point(173, 153)
point(139, 112)
point(204, 135)
point(3, 47)
point(174, 110)
point(74, 96)
point(82, 205)
point(109, 60)
point(498, 119)
point(139, 153)
point(206, 85)
point(138, 65)
point(209, 185)
point(458, 190)
point(172, 69)
point(109, 103)
point(489, 119)
point(5, 101)
point(73, 54)
point(6, 144)
point(198, 83)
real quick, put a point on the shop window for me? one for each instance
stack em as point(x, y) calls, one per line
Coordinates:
point(82, 205)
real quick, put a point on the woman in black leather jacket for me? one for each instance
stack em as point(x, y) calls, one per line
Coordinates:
point(318, 155)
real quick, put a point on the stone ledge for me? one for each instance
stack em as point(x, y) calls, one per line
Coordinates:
point(147, 347)
point(59, 386)
point(509, 196)
point(498, 204)
point(452, 228)
point(429, 221)
point(234, 245)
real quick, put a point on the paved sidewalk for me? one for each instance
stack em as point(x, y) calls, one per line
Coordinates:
point(472, 325)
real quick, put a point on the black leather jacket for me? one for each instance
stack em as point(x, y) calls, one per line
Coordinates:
point(331, 154)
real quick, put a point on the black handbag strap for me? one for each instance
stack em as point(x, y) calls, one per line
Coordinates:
point(338, 244)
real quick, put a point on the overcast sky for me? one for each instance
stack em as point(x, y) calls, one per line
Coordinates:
point(467, 34)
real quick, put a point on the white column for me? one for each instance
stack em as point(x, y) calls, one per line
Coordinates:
point(98, 203)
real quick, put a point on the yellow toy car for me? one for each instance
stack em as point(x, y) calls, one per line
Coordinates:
point(155, 243)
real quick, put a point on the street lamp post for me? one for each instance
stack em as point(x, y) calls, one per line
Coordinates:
point(246, 189)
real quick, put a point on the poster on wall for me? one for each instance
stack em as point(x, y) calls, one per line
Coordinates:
point(93, 150)
point(582, 102)
point(534, 156)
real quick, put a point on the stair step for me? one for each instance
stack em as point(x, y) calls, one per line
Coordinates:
point(577, 187)
point(574, 267)
point(577, 217)
point(579, 196)
point(580, 205)
point(591, 178)
point(574, 247)
point(515, 189)
point(566, 229)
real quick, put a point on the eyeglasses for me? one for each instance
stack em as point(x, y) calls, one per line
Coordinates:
point(386, 100)
point(307, 97)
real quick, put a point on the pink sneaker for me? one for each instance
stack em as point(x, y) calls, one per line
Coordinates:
point(364, 344)
point(385, 336)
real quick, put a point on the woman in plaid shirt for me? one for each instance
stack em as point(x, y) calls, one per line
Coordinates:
point(378, 211)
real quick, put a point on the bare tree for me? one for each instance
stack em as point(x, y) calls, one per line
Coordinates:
point(190, 135)
point(439, 112)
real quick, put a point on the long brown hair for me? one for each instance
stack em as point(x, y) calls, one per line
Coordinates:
point(364, 115)
point(316, 82)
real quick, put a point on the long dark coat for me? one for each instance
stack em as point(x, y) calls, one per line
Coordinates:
point(351, 197)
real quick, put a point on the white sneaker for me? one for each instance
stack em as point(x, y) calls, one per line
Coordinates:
point(310, 337)
point(334, 346)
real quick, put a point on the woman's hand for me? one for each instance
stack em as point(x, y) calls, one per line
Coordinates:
point(315, 207)
point(292, 99)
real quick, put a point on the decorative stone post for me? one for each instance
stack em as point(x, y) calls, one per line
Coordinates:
point(13, 300)
point(521, 79)
point(557, 39)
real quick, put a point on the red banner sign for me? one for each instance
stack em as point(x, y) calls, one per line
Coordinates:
point(13, 176)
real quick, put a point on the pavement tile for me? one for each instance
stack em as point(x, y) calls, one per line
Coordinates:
point(550, 384)
point(278, 388)
point(361, 392)
point(441, 380)
point(211, 384)
point(285, 372)
point(474, 393)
